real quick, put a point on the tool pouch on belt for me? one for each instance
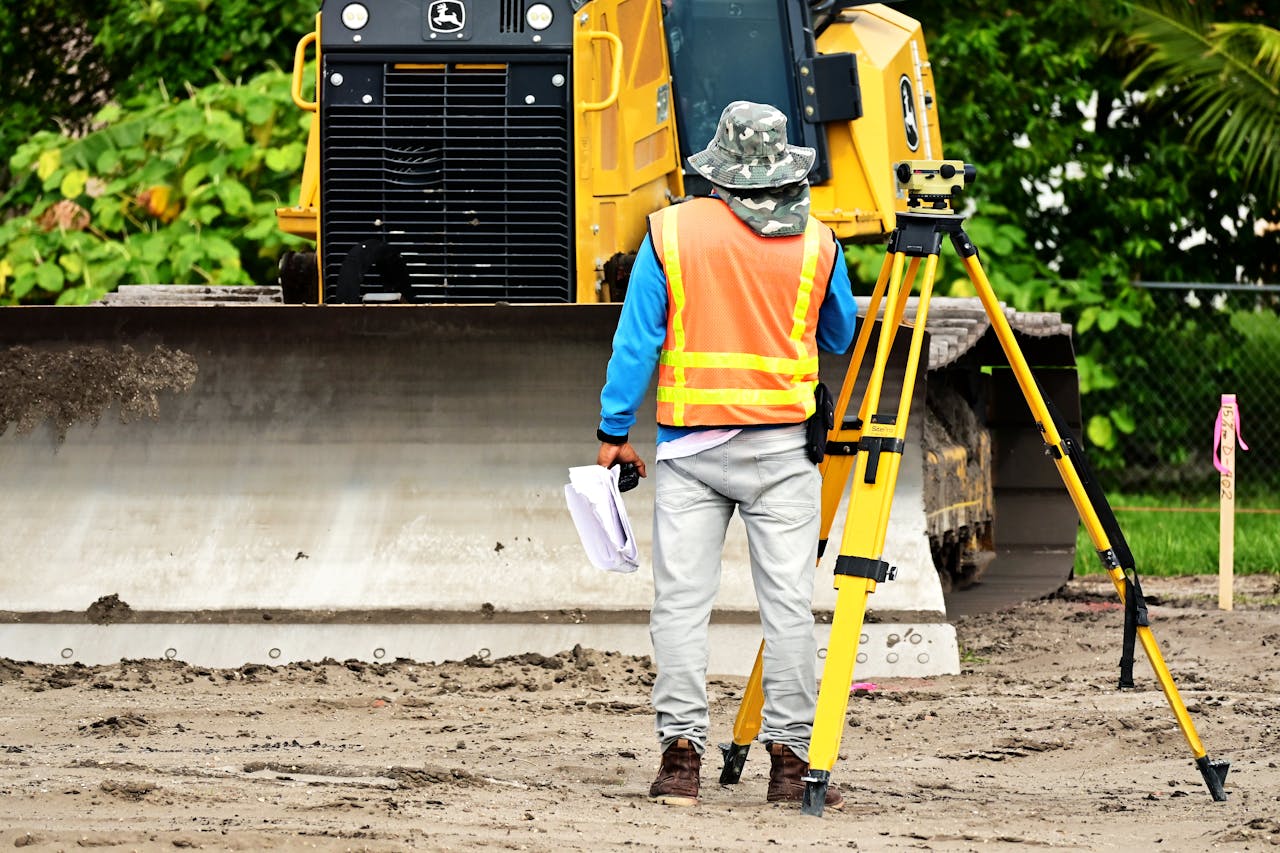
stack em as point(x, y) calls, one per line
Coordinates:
point(819, 424)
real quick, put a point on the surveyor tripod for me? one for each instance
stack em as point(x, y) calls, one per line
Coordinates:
point(870, 446)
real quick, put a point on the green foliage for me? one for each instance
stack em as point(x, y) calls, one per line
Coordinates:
point(1149, 423)
point(1085, 186)
point(1223, 82)
point(49, 69)
point(199, 41)
point(1143, 382)
point(180, 191)
point(62, 60)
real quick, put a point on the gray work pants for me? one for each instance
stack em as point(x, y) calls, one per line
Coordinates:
point(767, 476)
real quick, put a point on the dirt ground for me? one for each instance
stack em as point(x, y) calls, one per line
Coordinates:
point(1032, 746)
point(78, 384)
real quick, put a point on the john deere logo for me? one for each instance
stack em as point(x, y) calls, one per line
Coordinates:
point(446, 16)
point(907, 94)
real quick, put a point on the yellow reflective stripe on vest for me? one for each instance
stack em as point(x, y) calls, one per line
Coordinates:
point(802, 393)
point(812, 250)
point(742, 360)
point(675, 280)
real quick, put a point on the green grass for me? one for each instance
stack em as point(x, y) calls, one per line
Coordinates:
point(1180, 542)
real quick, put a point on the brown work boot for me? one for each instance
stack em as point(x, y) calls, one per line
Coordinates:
point(677, 782)
point(786, 779)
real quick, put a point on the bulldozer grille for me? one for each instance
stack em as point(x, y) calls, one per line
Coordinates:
point(448, 166)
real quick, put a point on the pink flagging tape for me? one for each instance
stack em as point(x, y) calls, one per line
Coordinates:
point(1228, 402)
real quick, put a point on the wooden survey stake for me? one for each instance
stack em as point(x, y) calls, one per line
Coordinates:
point(1224, 459)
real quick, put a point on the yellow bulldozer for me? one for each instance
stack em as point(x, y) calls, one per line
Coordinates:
point(367, 460)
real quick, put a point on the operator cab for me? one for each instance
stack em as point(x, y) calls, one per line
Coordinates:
point(730, 50)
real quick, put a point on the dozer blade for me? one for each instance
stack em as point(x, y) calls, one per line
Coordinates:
point(266, 483)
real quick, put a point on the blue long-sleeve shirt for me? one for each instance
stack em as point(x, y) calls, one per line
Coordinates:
point(642, 328)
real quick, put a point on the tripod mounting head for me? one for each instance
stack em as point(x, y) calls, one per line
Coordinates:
point(929, 185)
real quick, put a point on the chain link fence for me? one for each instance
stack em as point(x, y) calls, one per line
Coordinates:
point(1156, 422)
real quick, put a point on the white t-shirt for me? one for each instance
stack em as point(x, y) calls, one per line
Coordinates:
point(694, 442)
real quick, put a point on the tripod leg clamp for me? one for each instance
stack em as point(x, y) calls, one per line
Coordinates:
point(865, 567)
point(845, 447)
point(1135, 615)
point(842, 448)
point(873, 446)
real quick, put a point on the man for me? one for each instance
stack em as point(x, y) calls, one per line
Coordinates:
point(731, 297)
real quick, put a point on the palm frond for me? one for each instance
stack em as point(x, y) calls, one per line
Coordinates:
point(1263, 41)
point(1224, 76)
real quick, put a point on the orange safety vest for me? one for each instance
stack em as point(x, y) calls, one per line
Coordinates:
point(742, 317)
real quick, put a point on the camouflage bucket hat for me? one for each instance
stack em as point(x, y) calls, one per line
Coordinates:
point(750, 150)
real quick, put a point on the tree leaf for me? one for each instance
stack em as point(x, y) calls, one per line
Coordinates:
point(73, 264)
point(49, 277)
point(258, 110)
point(1123, 421)
point(107, 161)
point(48, 163)
point(285, 159)
point(1100, 433)
point(73, 183)
point(235, 198)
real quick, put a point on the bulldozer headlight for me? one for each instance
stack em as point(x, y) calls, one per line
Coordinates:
point(538, 16)
point(355, 16)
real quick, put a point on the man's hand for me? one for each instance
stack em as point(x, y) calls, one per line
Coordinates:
point(616, 454)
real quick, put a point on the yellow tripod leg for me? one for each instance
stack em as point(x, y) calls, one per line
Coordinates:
point(860, 565)
point(746, 726)
point(842, 441)
point(1071, 466)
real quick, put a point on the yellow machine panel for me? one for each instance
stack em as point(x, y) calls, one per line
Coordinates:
point(899, 120)
point(627, 162)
